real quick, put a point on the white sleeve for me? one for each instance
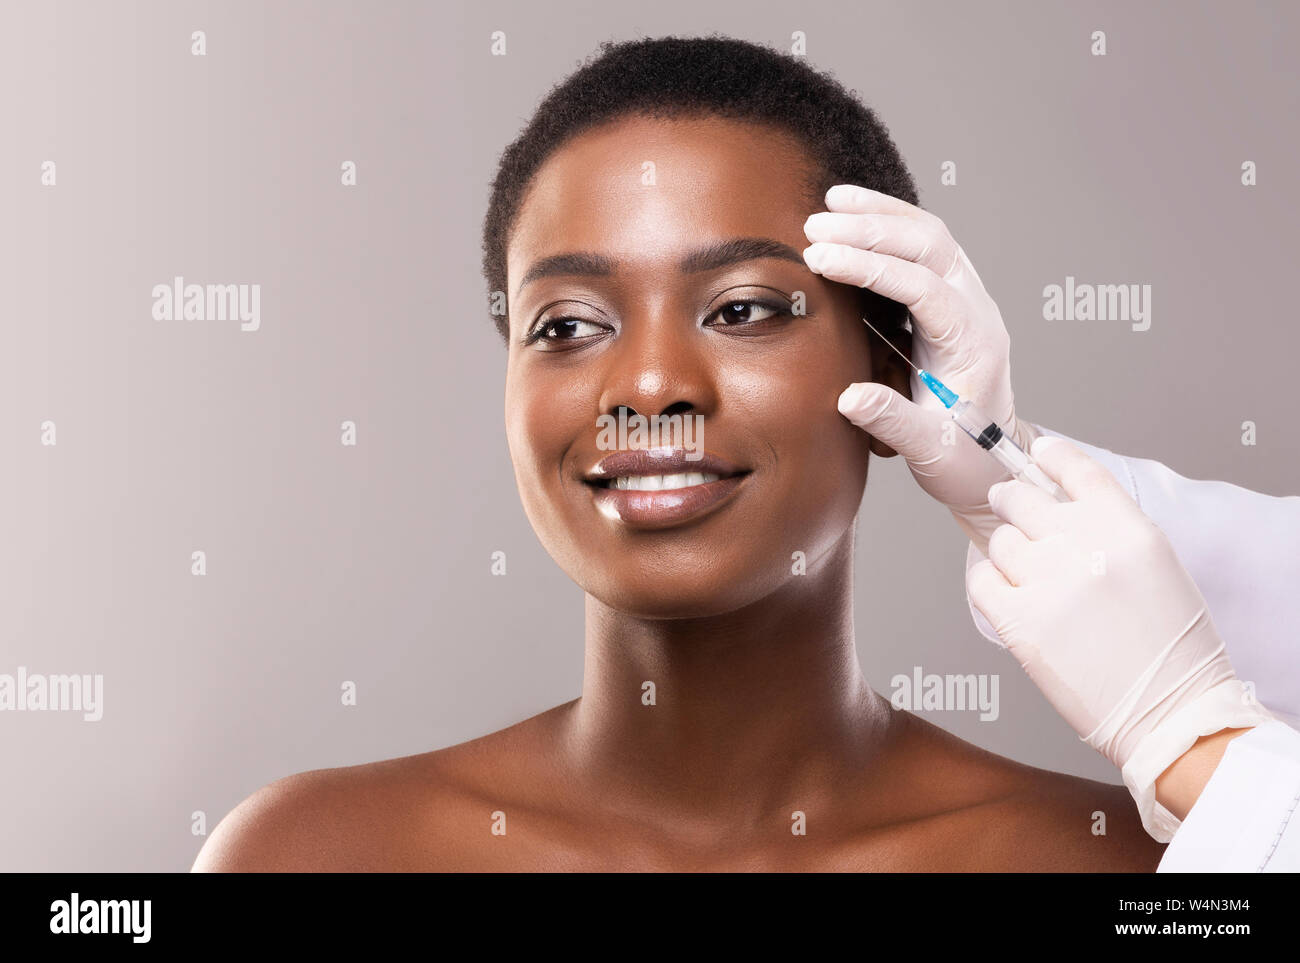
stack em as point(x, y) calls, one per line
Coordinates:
point(1246, 819)
point(1240, 547)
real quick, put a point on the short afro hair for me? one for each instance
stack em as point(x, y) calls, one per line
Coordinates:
point(690, 76)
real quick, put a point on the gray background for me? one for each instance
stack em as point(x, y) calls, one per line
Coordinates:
point(371, 563)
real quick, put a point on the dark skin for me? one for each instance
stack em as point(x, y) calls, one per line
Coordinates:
point(761, 707)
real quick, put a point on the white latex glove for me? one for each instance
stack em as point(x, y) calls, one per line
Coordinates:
point(873, 240)
point(1094, 604)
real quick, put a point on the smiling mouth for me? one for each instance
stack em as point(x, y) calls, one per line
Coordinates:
point(653, 502)
point(657, 483)
point(663, 487)
point(660, 469)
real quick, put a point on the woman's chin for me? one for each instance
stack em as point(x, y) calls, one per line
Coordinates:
point(679, 596)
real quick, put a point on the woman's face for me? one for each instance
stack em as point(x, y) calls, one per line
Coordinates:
point(660, 337)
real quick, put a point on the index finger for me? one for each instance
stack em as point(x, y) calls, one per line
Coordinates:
point(960, 274)
point(1074, 470)
point(853, 199)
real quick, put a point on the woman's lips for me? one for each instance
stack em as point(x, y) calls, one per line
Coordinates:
point(668, 507)
point(664, 460)
point(658, 507)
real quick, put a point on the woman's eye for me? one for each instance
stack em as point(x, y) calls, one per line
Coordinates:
point(734, 314)
point(563, 329)
point(739, 313)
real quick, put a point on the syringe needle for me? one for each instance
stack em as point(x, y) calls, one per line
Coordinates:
point(891, 344)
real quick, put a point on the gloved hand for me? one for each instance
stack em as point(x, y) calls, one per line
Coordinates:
point(1094, 604)
point(906, 254)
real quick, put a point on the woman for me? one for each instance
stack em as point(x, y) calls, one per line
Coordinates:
point(645, 231)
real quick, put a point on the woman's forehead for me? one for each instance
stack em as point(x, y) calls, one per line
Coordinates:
point(658, 186)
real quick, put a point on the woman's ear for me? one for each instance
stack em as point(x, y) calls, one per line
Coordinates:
point(891, 370)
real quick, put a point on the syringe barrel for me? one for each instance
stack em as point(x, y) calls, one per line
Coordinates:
point(975, 423)
point(989, 436)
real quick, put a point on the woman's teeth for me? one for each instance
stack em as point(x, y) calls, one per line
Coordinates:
point(657, 483)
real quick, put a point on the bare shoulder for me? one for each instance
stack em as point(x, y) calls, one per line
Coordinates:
point(1007, 816)
point(410, 813)
point(1051, 822)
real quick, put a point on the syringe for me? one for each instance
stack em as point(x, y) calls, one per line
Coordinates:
point(984, 430)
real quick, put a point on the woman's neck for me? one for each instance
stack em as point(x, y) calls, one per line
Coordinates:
point(735, 717)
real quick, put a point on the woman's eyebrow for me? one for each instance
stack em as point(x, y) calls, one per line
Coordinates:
point(710, 257)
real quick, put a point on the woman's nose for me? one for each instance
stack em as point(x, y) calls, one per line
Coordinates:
point(657, 369)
